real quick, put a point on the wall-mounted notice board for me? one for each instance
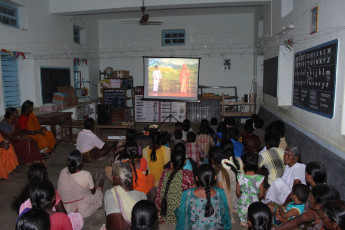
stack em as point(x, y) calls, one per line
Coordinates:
point(314, 78)
point(115, 97)
point(270, 76)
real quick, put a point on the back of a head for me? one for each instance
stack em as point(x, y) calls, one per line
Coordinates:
point(228, 147)
point(204, 122)
point(204, 129)
point(34, 219)
point(259, 216)
point(178, 155)
point(186, 125)
point(276, 127)
point(233, 133)
point(250, 161)
point(144, 216)
point(37, 172)
point(260, 123)
point(74, 161)
point(318, 171)
point(132, 149)
point(9, 112)
point(155, 137)
point(89, 123)
point(191, 137)
point(324, 192)
point(301, 191)
point(216, 154)
point(255, 117)
point(335, 212)
point(214, 121)
point(130, 135)
point(178, 134)
point(272, 139)
point(229, 121)
point(124, 172)
point(248, 128)
point(41, 194)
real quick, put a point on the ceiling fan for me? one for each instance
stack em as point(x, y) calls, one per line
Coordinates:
point(144, 20)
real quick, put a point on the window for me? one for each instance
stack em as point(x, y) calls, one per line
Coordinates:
point(173, 37)
point(76, 34)
point(8, 14)
point(10, 80)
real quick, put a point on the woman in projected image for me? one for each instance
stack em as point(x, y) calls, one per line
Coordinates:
point(157, 76)
point(184, 74)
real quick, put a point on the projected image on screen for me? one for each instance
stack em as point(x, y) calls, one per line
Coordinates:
point(171, 78)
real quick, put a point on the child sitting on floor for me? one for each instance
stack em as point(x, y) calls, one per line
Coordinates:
point(300, 194)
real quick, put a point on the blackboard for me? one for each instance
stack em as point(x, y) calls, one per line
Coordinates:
point(270, 76)
point(115, 97)
point(314, 78)
point(51, 78)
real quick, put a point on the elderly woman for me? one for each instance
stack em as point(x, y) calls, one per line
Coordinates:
point(294, 173)
point(25, 147)
point(120, 200)
point(29, 124)
point(77, 187)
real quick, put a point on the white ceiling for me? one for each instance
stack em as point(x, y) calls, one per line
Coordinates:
point(156, 8)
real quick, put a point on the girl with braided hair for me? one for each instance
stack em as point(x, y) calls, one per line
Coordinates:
point(259, 217)
point(204, 207)
point(172, 183)
point(141, 182)
point(156, 155)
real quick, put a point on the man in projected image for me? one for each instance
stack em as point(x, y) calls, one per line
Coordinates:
point(157, 76)
point(184, 74)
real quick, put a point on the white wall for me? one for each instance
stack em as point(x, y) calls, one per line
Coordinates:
point(211, 37)
point(331, 21)
point(47, 40)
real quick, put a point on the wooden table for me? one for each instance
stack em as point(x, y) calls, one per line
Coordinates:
point(56, 118)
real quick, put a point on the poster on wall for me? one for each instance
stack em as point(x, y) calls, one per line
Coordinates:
point(315, 78)
point(157, 111)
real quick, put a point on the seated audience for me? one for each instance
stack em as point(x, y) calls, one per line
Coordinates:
point(315, 173)
point(42, 196)
point(120, 145)
point(8, 158)
point(300, 194)
point(272, 160)
point(178, 138)
point(156, 156)
point(294, 173)
point(204, 139)
point(259, 217)
point(234, 133)
point(25, 147)
point(205, 205)
point(333, 215)
point(258, 131)
point(37, 173)
point(320, 194)
point(172, 183)
point(250, 186)
point(77, 187)
point(91, 147)
point(144, 216)
point(251, 142)
point(120, 200)
point(29, 124)
point(193, 150)
point(34, 219)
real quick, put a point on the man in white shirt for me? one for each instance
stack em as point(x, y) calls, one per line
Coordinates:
point(157, 76)
point(91, 147)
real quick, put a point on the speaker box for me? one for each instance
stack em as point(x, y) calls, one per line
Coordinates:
point(104, 114)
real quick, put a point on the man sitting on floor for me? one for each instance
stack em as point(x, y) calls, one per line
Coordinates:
point(90, 146)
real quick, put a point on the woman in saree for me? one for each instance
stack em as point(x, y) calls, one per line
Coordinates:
point(29, 124)
point(204, 207)
point(120, 200)
point(8, 158)
point(25, 147)
point(173, 182)
point(77, 187)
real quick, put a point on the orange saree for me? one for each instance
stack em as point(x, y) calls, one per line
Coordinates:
point(8, 160)
point(46, 141)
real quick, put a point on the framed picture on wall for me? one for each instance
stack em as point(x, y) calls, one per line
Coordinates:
point(313, 20)
point(77, 79)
